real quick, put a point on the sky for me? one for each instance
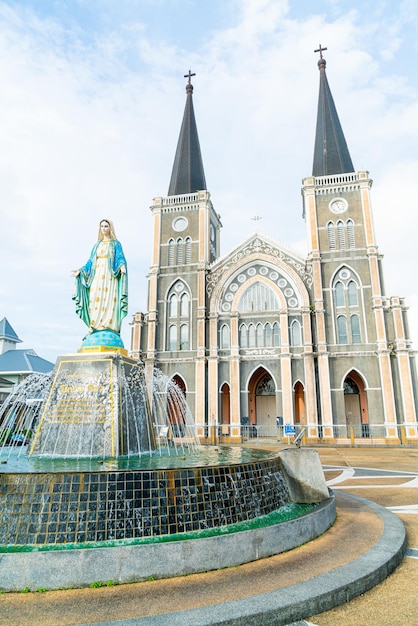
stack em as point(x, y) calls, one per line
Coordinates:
point(92, 97)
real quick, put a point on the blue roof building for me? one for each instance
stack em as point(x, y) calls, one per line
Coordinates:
point(16, 365)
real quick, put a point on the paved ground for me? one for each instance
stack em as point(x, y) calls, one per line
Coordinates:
point(386, 476)
point(395, 601)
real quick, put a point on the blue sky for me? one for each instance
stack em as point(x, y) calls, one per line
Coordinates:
point(91, 101)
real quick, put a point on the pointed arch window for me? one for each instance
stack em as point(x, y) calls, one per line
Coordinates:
point(352, 293)
point(331, 235)
point(251, 336)
point(172, 338)
point(350, 234)
point(276, 334)
point(260, 336)
point(339, 294)
point(184, 337)
point(355, 329)
point(184, 305)
point(268, 333)
point(348, 307)
point(295, 334)
point(188, 249)
point(341, 234)
point(225, 337)
point(177, 317)
point(172, 309)
point(180, 251)
point(342, 329)
point(171, 249)
point(243, 337)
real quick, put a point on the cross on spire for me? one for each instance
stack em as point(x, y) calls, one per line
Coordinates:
point(320, 50)
point(189, 75)
point(256, 218)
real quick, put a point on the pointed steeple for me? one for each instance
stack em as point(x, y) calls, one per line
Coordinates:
point(331, 155)
point(188, 175)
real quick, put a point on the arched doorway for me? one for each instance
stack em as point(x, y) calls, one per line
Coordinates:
point(262, 399)
point(355, 404)
point(176, 405)
point(225, 404)
point(300, 408)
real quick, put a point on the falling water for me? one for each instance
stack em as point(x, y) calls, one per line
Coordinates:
point(20, 412)
point(68, 420)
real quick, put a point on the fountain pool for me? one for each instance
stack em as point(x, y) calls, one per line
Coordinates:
point(165, 506)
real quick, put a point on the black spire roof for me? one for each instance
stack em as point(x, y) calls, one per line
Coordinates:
point(188, 175)
point(331, 155)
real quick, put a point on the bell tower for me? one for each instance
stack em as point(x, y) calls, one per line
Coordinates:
point(354, 320)
point(185, 242)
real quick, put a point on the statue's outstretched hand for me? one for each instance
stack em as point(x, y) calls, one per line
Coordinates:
point(75, 273)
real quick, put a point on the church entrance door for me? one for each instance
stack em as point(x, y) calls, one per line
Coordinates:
point(355, 404)
point(262, 400)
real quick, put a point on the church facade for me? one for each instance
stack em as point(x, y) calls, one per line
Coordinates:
point(264, 336)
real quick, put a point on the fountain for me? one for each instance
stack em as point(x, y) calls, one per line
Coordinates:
point(96, 457)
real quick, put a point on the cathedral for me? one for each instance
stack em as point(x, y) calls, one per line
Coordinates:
point(264, 340)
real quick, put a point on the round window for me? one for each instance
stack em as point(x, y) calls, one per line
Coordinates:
point(180, 223)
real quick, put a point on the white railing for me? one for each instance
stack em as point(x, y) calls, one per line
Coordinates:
point(337, 179)
point(358, 434)
point(182, 199)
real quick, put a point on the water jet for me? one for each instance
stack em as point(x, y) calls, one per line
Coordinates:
point(107, 459)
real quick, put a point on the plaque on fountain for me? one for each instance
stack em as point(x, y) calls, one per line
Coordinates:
point(88, 414)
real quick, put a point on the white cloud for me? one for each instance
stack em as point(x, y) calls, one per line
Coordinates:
point(91, 109)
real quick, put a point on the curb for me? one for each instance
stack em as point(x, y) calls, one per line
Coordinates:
point(286, 605)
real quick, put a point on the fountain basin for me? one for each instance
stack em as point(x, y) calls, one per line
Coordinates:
point(152, 558)
point(67, 523)
point(61, 507)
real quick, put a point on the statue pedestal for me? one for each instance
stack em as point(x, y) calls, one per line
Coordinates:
point(97, 407)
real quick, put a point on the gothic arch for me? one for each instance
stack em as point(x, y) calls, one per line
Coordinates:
point(299, 402)
point(256, 369)
point(225, 392)
point(252, 281)
point(171, 288)
point(261, 397)
point(178, 330)
point(355, 403)
point(180, 382)
point(347, 306)
point(245, 262)
point(345, 266)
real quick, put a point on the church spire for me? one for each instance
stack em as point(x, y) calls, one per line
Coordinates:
point(188, 175)
point(331, 155)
